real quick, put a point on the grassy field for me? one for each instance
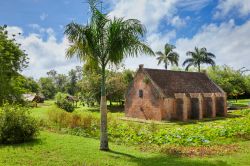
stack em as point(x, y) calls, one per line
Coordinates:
point(61, 149)
point(52, 148)
point(241, 102)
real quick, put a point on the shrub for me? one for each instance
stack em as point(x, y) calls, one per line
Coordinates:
point(16, 125)
point(75, 123)
point(63, 103)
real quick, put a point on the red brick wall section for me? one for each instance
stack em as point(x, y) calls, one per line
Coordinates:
point(149, 106)
point(221, 104)
point(168, 109)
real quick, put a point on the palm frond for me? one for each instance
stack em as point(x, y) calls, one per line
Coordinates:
point(188, 61)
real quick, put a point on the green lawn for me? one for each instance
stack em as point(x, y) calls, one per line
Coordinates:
point(240, 102)
point(60, 149)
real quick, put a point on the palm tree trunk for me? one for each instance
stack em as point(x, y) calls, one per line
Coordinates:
point(166, 66)
point(199, 67)
point(103, 109)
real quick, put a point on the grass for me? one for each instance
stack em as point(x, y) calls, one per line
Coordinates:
point(240, 102)
point(52, 148)
point(61, 149)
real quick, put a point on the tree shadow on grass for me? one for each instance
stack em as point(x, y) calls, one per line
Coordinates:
point(115, 109)
point(30, 143)
point(171, 160)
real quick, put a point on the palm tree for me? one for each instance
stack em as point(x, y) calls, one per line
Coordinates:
point(169, 56)
point(198, 57)
point(105, 41)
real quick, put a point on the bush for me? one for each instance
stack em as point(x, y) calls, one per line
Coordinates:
point(16, 125)
point(63, 103)
point(75, 123)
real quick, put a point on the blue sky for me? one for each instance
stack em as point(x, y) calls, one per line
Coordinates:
point(222, 26)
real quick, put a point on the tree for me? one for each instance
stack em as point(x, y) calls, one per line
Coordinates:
point(52, 74)
point(12, 60)
point(105, 41)
point(31, 85)
point(116, 86)
point(61, 83)
point(169, 56)
point(89, 86)
point(198, 57)
point(47, 86)
point(233, 82)
point(72, 88)
point(79, 72)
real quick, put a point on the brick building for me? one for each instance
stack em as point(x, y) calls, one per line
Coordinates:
point(173, 95)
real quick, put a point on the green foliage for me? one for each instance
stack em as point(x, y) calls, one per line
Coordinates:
point(47, 87)
point(233, 82)
point(199, 56)
point(12, 61)
point(116, 86)
point(16, 125)
point(63, 103)
point(72, 84)
point(23, 85)
point(89, 86)
point(169, 56)
point(120, 132)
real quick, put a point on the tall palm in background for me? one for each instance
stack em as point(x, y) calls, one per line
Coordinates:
point(199, 56)
point(105, 41)
point(169, 56)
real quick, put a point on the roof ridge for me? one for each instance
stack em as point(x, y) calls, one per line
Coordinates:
point(175, 71)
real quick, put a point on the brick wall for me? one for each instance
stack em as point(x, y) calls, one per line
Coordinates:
point(146, 107)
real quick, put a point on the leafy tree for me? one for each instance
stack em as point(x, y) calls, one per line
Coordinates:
point(23, 85)
point(128, 77)
point(247, 82)
point(12, 60)
point(60, 80)
point(230, 80)
point(72, 88)
point(47, 86)
point(31, 85)
point(79, 72)
point(61, 83)
point(89, 86)
point(105, 41)
point(52, 74)
point(116, 87)
point(168, 57)
point(198, 57)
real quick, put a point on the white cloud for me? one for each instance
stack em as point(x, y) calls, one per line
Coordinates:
point(225, 7)
point(14, 31)
point(177, 22)
point(152, 14)
point(229, 42)
point(43, 16)
point(148, 11)
point(192, 5)
point(44, 54)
